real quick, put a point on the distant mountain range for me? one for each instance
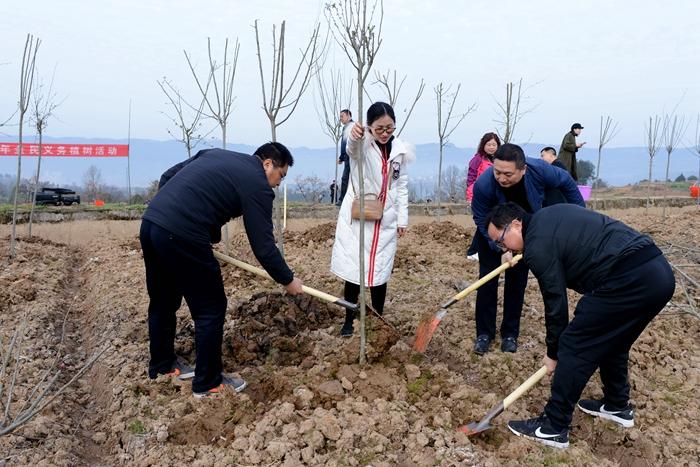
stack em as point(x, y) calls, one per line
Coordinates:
point(149, 158)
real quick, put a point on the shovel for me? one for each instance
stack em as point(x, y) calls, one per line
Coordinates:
point(426, 328)
point(262, 273)
point(485, 423)
point(313, 292)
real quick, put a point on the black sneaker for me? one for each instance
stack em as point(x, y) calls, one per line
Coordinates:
point(624, 417)
point(481, 346)
point(540, 430)
point(346, 330)
point(509, 344)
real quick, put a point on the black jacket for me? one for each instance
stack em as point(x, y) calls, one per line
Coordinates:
point(567, 246)
point(199, 195)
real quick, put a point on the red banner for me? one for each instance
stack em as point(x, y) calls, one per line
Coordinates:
point(66, 150)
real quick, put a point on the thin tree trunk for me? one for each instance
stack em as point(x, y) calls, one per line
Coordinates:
point(14, 203)
point(439, 190)
point(649, 186)
point(226, 234)
point(668, 164)
point(596, 179)
point(361, 194)
point(36, 185)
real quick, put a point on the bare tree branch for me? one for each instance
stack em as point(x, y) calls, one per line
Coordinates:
point(509, 110)
point(359, 34)
point(653, 143)
point(188, 125)
point(673, 131)
point(31, 47)
point(446, 125)
point(284, 97)
point(44, 105)
point(332, 94)
point(607, 132)
point(392, 88)
point(221, 106)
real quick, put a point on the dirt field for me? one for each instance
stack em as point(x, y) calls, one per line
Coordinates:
point(79, 287)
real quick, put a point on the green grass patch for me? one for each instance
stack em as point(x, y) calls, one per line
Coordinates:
point(137, 427)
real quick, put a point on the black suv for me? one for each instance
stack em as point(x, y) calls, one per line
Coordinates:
point(57, 197)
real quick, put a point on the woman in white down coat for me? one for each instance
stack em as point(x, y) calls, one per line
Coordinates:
point(385, 160)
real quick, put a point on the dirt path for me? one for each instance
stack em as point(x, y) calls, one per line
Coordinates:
point(308, 401)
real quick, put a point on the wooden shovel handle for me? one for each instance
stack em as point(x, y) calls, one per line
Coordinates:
point(262, 273)
point(485, 279)
point(523, 388)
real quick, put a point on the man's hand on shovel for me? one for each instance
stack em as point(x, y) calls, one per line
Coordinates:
point(550, 363)
point(295, 287)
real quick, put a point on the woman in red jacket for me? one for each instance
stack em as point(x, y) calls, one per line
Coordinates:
point(482, 160)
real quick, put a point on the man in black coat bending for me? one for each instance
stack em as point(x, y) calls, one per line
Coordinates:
point(195, 199)
point(625, 282)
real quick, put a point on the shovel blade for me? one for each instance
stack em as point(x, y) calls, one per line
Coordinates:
point(474, 428)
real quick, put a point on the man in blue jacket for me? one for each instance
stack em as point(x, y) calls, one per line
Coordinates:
point(195, 199)
point(524, 182)
point(624, 280)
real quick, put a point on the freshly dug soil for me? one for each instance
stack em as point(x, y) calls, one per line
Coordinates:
point(308, 400)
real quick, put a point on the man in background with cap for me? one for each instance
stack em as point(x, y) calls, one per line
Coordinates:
point(569, 148)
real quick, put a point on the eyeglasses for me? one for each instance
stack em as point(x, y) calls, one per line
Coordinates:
point(384, 129)
point(499, 241)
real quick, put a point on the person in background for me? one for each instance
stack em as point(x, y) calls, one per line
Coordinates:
point(549, 154)
point(346, 120)
point(552, 196)
point(482, 160)
point(569, 148)
point(625, 281)
point(525, 182)
point(195, 199)
point(334, 188)
point(385, 174)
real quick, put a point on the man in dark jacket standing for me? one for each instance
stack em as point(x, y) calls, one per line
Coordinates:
point(195, 199)
point(569, 148)
point(346, 120)
point(625, 282)
point(525, 182)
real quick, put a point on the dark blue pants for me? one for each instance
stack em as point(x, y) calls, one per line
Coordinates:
point(605, 325)
point(487, 294)
point(176, 268)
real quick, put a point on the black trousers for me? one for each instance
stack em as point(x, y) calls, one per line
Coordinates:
point(352, 293)
point(487, 294)
point(344, 180)
point(605, 325)
point(175, 269)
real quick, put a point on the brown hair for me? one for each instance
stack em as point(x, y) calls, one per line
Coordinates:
point(485, 139)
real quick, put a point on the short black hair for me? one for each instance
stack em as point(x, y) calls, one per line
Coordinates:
point(277, 152)
point(346, 111)
point(504, 214)
point(511, 153)
point(378, 110)
point(549, 149)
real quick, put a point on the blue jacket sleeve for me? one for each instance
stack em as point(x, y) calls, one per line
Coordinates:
point(561, 179)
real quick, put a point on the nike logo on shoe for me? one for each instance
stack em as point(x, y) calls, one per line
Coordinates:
point(539, 434)
point(609, 412)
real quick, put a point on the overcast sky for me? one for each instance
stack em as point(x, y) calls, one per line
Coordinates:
point(627, 59)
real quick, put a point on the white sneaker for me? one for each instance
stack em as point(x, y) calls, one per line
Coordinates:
point(474, 257)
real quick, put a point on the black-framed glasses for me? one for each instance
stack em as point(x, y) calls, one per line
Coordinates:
point(499, 241)
point(384, 129)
